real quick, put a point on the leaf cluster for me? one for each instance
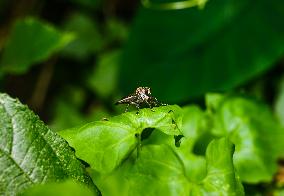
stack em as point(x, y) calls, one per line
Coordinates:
point(166, 151)
point(175, 155)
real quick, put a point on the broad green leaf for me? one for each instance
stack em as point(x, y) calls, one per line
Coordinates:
point(194, 165)
point(31, 41)
point(196, 130)
point(66, 188)
point(193, 51)
point(258, 136)
point(30, 153)
point(105, 144)
point(160, 171)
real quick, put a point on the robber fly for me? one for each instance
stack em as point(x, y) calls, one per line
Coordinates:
point(142, 95)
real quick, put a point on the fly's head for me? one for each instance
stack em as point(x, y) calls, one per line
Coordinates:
point(143, 92)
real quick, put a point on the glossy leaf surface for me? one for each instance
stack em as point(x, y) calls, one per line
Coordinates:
point(254, 130)
point(105, 144)
point(160, 171)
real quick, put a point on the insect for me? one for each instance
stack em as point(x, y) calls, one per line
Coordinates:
point(142, 95)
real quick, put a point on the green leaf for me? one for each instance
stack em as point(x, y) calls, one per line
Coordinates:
point(195, 122)
point(30, 153)
point(194, 165)
point(31, 41)
point(193, 51)
point(160, 171)
point(258, 136)
point(196, 126)
point(221, 178)
point(66, 188)
point(105, 144)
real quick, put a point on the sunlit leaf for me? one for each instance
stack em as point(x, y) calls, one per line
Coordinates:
point(105, 144)
point(258, 136)
point(160, 171)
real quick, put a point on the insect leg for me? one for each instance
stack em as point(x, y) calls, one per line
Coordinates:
point(150, 105)
point(127, 106)
point(137, 106)
point(157, 103)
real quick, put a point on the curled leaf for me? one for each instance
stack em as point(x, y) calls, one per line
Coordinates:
point(105, 144)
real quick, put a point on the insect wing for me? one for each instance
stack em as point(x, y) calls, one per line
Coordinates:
point(128, 99)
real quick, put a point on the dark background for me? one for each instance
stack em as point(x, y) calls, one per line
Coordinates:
point(71, 60)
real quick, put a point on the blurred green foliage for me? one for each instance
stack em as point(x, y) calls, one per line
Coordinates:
point(279, 102)
point(100, 82)
point(66, 188)
point(87, 41)
point(30, 42)
point(194, 51)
